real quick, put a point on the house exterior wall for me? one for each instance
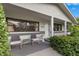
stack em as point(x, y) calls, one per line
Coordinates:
point(48, 9)
point(43, 23)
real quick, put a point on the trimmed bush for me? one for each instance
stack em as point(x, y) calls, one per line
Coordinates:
point(66, 45)
point(4, 46)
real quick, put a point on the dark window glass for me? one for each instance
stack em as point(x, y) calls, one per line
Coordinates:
point(15, 25)
point(57, 27)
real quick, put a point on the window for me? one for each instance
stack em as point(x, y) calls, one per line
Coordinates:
point(17, 25)
point(57, 27)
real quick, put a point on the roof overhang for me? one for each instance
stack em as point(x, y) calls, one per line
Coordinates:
point(67, 12)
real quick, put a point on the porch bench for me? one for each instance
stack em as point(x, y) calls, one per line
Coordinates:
point(15, 40)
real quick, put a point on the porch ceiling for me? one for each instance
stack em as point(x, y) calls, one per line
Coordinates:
point(56, 20)
point(21, 13)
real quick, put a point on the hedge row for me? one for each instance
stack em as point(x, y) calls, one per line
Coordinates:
point(66, 45)
point(4, 46)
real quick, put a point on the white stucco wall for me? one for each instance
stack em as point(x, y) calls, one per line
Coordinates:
point(44, 27)
point(48, 9)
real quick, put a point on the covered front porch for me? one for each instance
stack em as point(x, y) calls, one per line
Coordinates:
point(23, 21)
point(61, 27)
point(32, 21)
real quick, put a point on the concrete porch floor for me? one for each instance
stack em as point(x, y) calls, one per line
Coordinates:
point(42, 49)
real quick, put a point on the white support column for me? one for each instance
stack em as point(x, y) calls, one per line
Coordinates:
point(52, 26)
point(65, 27)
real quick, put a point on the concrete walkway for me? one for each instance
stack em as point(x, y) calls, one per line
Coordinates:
point(42, 49)
point(46, 52)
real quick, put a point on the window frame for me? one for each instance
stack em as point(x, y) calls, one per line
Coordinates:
point(57, 27)
point(21, 20)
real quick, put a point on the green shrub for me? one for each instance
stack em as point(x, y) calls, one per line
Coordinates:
point(4, 46)
point(66, 45)
point(74, 30)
